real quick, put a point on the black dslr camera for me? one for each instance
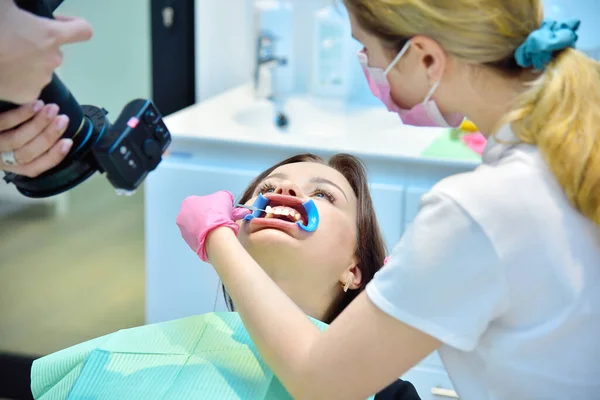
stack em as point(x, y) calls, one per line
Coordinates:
point(126, 150)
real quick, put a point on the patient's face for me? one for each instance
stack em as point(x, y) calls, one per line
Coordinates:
point(304, 262)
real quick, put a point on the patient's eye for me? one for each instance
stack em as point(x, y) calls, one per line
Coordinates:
point(324, 194)
point(266, 188)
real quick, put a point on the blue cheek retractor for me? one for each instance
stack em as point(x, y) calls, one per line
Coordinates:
point(309, 206)
point(312, 216)
point(260, 202)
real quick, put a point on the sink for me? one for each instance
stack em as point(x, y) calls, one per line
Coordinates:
point(317, 117)
point(313, 123)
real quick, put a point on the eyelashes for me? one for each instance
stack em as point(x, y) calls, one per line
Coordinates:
point(319, 192)
point(326, 193)
point(264, 188)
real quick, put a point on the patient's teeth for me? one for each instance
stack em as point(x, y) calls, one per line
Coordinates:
point(272, 212)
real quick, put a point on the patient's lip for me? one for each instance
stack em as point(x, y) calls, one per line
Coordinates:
point(291, 228)
point(283, 200)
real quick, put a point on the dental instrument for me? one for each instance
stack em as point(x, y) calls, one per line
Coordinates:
point(251, 208)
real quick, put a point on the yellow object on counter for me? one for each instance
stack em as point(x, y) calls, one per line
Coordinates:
point(468, 126)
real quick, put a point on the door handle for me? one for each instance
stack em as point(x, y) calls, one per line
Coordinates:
point(441, 392)
point(167, 16)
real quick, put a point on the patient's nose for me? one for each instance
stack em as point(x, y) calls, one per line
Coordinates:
point(287, 188)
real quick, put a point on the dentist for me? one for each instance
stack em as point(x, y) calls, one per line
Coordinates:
point(500, 271)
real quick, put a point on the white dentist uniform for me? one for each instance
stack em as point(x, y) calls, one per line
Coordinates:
point(506, 273)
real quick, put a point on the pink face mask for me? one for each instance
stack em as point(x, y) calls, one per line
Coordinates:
point(426, 113)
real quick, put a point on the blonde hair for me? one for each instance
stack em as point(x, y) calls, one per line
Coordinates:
point(559, 112)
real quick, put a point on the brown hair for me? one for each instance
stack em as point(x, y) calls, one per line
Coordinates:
point(558, 112)
point(370, 247)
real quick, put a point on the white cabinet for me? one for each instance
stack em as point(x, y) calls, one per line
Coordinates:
point(180, 285)
point(388, 202)
point(412, 202)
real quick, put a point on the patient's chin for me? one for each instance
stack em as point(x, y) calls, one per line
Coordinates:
point(275, 258)
point(271, 237)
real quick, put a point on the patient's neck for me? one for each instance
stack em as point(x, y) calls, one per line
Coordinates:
point(316, 302)
point(313, 293)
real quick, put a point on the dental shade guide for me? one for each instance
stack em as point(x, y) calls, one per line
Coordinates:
point(312, 213)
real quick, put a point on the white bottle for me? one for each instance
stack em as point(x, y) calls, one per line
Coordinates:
point(333, 53)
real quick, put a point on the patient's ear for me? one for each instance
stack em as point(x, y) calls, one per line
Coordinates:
point(356, 274)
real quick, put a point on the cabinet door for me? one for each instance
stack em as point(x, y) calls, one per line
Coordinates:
point(178, 284)
point(411, 208)
point(388, 201)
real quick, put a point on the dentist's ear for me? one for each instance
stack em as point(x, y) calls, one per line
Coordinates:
point(432, 56)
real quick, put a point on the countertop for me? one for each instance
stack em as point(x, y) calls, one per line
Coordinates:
point(359, 131)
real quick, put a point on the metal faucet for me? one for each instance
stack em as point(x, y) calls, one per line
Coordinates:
point(265, 82)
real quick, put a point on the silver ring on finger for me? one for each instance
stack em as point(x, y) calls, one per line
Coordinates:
point(8, 158)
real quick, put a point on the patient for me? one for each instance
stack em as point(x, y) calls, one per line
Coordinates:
point(322, 271)
point(346, 250)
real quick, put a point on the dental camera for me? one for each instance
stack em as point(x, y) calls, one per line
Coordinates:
point(126, 150)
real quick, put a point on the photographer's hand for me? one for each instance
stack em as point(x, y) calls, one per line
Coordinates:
point(30, 50)
point(30, 134)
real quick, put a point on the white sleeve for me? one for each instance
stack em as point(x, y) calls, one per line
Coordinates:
point(443, 277)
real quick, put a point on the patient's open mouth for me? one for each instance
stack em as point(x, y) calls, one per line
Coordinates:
point(286, 208)
point(284, 213)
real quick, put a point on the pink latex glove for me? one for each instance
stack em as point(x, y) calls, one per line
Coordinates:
point(200, 215)
point(475, 141)
point(385, 261)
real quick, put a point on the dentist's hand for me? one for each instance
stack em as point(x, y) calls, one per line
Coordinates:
point(200, 215)
point(30, 50)
point(32, 133)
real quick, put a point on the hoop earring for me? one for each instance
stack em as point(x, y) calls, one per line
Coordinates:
point(348, 283)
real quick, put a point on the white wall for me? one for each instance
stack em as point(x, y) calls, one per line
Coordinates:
point(115, 66)
point(226, 40)
point(225, 43)
point(588, 11)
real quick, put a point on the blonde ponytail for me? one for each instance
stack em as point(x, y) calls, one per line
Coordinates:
point(560, 114)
